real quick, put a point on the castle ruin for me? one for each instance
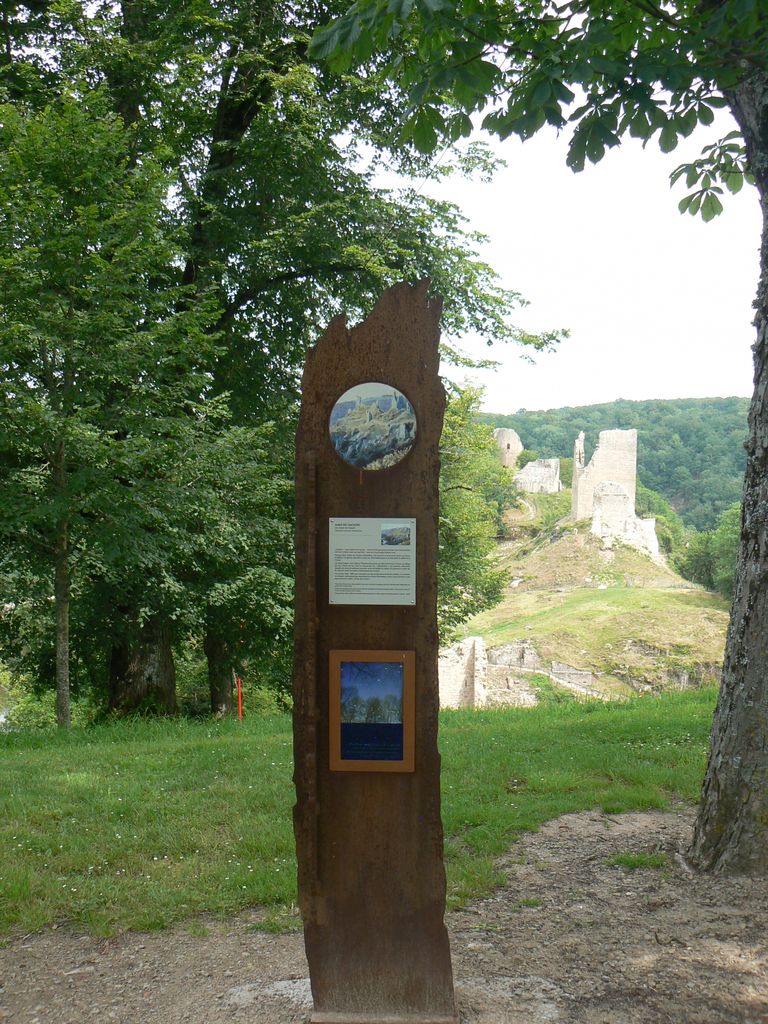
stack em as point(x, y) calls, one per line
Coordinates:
point(474, 676)
point(542, 476)
point(509, 444)
point(614, 459)
point(604, 491)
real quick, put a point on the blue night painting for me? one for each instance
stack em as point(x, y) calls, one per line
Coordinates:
point(372, 710)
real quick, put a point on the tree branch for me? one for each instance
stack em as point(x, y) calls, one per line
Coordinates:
point(7, 34)
point(648, 7)
point(246, 295)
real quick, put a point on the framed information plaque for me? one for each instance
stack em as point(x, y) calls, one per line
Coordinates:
point(372, 711)
point(371, 561)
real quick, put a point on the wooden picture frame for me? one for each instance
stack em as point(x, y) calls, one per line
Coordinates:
point(372, 711)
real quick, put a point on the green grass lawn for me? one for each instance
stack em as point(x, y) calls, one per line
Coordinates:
point(144, 824)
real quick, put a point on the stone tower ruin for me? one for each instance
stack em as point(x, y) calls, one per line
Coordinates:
point(614, 459)
point(509, 444)
point(604, 491)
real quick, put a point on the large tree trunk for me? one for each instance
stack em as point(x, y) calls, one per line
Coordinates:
point(219, 672)
point(142, 675)
point(61, 591)
point(61, 594)
point(731, 832)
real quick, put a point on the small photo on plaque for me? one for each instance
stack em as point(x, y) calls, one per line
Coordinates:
point(372, 426)
point(395, 535)
point(372, 711)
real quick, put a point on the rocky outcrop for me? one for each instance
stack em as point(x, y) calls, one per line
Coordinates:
point(374, 434)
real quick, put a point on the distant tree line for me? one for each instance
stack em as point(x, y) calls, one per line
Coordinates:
point(690, 450)
point(710, 557)
point(374, 710)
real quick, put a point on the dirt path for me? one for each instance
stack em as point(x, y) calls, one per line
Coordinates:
point(600, 945)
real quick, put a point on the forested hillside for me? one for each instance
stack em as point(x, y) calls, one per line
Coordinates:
point(689, 449)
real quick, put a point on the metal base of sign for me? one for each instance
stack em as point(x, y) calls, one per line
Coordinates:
point(365, 1018)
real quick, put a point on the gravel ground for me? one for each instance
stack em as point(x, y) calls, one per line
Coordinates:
point(568, 940)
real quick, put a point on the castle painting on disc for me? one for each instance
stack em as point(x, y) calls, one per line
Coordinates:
point(372, 426)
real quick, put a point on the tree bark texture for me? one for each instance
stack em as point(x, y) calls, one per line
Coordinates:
point(731, 833)
point(219, 672)
point(61, 590)
point(61, 594)
point(142, 675)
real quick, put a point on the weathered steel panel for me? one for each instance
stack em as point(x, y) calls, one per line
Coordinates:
point(369, 844)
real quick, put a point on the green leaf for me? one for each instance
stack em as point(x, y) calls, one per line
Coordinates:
point(705, 114)
point(399, 9)
point(742, 9)
point(668, 138)
point(577, 152)
point(640, 126)
point(460, 126)
point(541, 92)
point(686, 123)
point(562, 92)
point(423, 130)
point(607, 67)
point(711, 207)
point(324, 41)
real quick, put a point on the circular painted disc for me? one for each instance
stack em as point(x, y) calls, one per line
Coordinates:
point(372, 426)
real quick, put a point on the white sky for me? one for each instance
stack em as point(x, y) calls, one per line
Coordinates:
point(659, 305)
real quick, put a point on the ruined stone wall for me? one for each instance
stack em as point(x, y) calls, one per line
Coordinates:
point(612, 512)
point(507, 667)
point(542, 476)
point(520, 654)
point(509, 444)
point(506, 688)
point(577, 679)
point(462, 671)
point(613, 518)
point(473, 677)
point(614, 460)
point(469, 680)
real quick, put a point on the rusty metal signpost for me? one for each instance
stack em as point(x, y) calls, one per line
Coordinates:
point(367, 819)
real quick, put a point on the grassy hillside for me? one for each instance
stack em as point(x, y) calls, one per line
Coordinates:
point(690, 450)
point(635, 623)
